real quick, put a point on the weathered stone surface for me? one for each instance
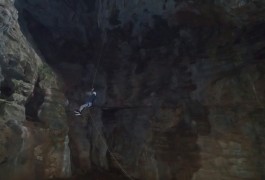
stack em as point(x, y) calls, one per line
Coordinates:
point(180, 88)
point(12, 111)
point(24, 79)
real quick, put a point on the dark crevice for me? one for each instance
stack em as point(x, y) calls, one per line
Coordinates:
point(33, 105)
point(54, 48)
point(4, 161)
point(6, 89)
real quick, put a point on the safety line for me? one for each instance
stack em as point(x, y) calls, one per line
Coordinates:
point(99, 60)
point(114, 158)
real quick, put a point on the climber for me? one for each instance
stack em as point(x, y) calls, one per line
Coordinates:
point(91, 96)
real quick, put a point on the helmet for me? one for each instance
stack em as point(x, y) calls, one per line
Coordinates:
point(94, 93)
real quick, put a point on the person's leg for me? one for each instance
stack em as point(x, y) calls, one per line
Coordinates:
point(82, 107)
point(89, 104)
point(77, 113)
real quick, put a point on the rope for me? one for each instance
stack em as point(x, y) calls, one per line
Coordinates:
point(98, 62)
point(99, 59)
point(114, 158)
point(101, 136)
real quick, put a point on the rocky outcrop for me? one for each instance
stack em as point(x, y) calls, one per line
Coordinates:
point(236, 109)
point(33, 140)
point(180, 88)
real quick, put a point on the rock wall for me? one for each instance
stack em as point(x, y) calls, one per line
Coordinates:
point(178, 100)
point(33, 138)
point(180, 88)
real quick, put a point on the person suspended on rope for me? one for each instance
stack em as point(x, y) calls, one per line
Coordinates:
point(91, 96)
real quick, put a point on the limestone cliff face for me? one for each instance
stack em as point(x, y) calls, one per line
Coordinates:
point(180, 88)
point(30, 93)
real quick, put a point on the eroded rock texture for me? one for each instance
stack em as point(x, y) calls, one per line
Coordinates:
point(180, 88)
point(29, 94)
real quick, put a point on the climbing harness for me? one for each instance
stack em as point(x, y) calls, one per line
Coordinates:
point(108, 149)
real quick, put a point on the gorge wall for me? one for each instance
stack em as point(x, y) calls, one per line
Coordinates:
point(180, 89)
